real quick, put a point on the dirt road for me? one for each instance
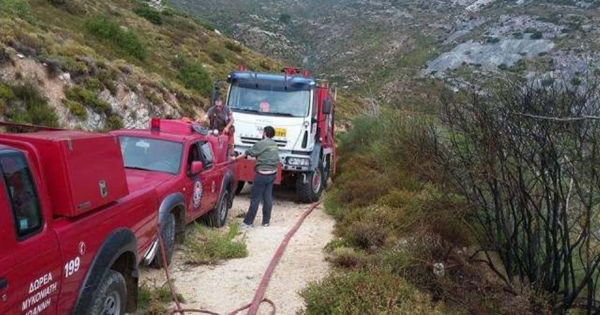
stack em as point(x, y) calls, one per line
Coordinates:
point(226, 287)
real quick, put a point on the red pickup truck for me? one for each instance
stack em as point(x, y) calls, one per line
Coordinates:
point(73, 235)
point(190, 169)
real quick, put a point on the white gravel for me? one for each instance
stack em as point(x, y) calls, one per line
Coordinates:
point(226, 287)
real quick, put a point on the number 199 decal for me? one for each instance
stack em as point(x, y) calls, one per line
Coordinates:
point(72, 266)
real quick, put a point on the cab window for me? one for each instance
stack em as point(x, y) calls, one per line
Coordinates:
point(193, 155)
point(21, 194)
point(206, 155)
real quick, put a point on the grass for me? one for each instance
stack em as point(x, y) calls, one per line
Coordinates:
point(24, 103)
point(76, 109)
point(153, 298)
point(18, 8)
point(88, 98)
point(194, 77)
point(361, 292)
point(207, 246)
point(391, 229)
point(108, 30)
point(234, 47)
point(149, 14)
point(126, 46)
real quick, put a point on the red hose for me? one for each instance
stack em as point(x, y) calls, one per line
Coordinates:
point(258, 297)
point(267, 276)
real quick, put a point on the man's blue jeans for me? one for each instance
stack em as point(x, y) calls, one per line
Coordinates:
point(262, 189)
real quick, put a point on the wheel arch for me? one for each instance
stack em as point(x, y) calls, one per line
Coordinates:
point(228, 183)
point(173, 203)
point(117, 252)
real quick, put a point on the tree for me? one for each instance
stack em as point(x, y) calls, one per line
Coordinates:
point(528, 161)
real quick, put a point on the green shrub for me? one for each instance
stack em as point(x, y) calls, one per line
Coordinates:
point(6, 92)
point(149, 14)
point(76, 109)
point(153, 299)
point(26, 104)
point(94, 84)
point(193, 76)
point(536, 35)
point(285, 18)
point(112, 87)
point(4, 57)
point(53, 68)
point(360, 292)
point(205, 25)
point(209, 246)
point(89, 99)
point(531, 30)
point(233, 47)
point(348, 257)
point(366, 234)
point(493, 40)
point(217, 57)
point(18, 8)
point(154, 98)
point(113, 122)
point(265, 65)
point(186, 109)
point(75, 7)
point(110, 31)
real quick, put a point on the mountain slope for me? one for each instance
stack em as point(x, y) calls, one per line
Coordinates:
point(382, 46)
point(103, 65)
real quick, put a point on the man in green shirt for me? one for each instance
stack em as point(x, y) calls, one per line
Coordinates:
point(267, 156)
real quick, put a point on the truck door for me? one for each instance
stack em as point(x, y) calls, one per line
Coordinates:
point(30, 262)
point(210, 175)
point(199, 185)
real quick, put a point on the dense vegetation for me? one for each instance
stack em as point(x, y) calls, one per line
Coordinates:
point(487, 206)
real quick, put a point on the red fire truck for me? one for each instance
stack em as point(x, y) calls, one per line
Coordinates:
point(73, 231)
point(190, 169)
point(301, 109)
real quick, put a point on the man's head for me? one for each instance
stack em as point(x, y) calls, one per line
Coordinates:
point(264, 106)
point(219, 102)
point(269, 132)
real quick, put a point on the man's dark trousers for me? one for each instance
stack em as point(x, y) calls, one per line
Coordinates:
point(262, 188)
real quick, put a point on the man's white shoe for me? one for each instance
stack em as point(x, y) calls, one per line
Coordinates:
point(245, 226)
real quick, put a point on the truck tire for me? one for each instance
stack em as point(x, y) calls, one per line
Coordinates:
point(111, 296)
point(167, 232)
point(310, 191)
point(326, 174)
point(218, 216)
point(239, 187)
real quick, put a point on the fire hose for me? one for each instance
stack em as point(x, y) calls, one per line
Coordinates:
point(262, 287)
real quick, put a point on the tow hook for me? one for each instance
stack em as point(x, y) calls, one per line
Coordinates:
point(304, 178)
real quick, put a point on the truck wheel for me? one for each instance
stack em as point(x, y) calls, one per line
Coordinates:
point(240, 186)
point(111, 296)
point(218, 216)
point(311, 190)
point(325, 175)
point(167, 233)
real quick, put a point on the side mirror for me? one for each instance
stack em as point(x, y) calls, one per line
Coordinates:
point(326, 106)
point(197, 167)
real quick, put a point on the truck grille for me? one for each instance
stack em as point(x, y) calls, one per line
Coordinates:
point(252, 140)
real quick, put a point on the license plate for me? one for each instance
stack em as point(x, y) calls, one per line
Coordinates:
point(280, 132)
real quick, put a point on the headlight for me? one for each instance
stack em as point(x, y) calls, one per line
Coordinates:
point(298, 161)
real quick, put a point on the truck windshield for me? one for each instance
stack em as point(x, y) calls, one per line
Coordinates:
point(151, 154)
point(272, 102)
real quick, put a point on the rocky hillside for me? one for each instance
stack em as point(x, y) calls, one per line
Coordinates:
point(382, 45)
point(106, 64)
